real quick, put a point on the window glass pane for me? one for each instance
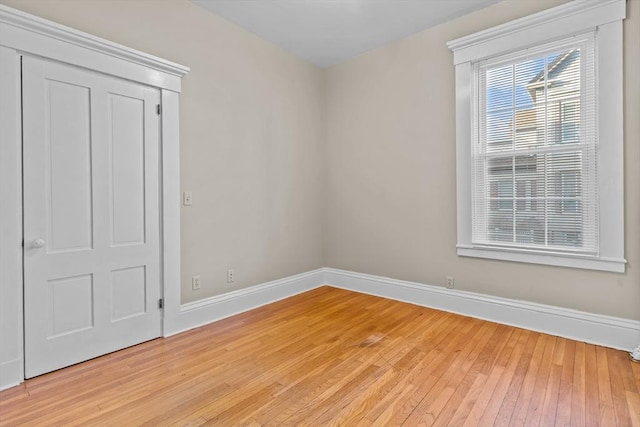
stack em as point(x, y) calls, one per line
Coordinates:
point(563, 227)
point(564, 174)
point(529, 83)
point(501, 227)
point(563, 97)
point(530, 224)
point(499, 108)
point(530, 102)
point(500, 88)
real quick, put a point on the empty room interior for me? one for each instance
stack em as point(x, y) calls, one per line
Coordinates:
point(327, 212)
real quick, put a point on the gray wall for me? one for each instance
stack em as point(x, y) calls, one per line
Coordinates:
point(391, 207)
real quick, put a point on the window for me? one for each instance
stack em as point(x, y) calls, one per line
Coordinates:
point(539, 138)
point(535, 149)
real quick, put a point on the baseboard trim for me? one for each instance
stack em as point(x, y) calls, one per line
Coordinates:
point(208, 310)
point(608, 331)
point(10, 374)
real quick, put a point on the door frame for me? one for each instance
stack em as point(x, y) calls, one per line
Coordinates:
point(22, 33)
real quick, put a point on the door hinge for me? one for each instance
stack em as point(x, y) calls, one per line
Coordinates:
point(158, 109)
point(161, 303)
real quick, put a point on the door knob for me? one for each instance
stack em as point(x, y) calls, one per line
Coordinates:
point(38, 243)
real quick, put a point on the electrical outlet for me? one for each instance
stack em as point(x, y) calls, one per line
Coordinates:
point(230, 276)
point(195, 283)
point(187, 198)
point(450, 282)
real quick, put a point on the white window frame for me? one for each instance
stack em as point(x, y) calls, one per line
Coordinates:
point(605, 17)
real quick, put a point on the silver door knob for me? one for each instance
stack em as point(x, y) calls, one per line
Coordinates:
point(38, 243)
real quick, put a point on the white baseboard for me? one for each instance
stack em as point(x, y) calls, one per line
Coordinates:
point(608, 331)
point(10, 373)
point(208, 310)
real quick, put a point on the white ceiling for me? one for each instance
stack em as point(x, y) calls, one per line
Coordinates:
point(327, 32)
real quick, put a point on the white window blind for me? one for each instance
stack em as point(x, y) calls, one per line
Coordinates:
point(534, 154)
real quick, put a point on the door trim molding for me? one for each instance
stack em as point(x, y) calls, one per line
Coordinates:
point(22, 33)
point(11, 341)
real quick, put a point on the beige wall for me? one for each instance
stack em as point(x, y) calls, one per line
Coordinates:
point(391, 207)
point(284, 183)
point(250, 137)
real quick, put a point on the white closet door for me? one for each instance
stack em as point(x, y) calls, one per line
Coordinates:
point(91, 214)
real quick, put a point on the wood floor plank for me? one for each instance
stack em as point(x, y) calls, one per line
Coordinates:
point(434, 333)
point(607, 415)
point(549, 412)
point(635, 368)
point(334, 357)
point(523, 401)
point(578, 394)
point(618, 390)
point(444, 364)
point(633, 402)
point(534, 413)
point(501, 376)
point(592, 394)
point(563, 412)
point(478, 360)
point(511, 396)
point(360, 406)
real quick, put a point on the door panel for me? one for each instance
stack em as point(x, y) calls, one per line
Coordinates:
point(128, 292)
point(68, 156)
point(126, 141)
point(70, 305)
point(91, 214)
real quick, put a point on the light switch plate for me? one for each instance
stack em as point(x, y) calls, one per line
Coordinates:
point(187, 198)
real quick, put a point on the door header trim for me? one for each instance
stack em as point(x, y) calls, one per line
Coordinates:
point(31, 34)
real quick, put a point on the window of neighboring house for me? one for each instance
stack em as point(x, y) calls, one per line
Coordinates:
point(539, 122)
point(567, 185)
point(569, 121)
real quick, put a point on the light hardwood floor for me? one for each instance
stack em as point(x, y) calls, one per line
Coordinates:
point(333, 357)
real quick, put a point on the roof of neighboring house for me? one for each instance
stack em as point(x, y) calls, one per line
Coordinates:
point(557, 65)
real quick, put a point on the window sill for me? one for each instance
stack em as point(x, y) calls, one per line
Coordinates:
point(590, 263)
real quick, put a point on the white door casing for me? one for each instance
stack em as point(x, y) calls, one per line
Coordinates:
point(25, 34)
point(91, 214)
